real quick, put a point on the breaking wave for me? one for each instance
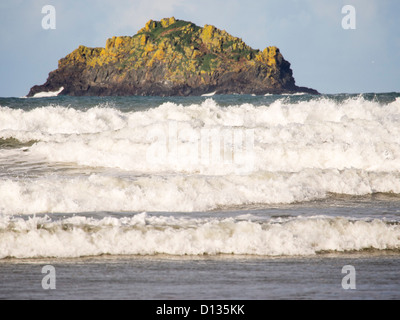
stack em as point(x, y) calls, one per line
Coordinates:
point(197, 157)
point(142, 234)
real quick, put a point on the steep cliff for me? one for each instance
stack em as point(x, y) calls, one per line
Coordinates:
point(172, 57)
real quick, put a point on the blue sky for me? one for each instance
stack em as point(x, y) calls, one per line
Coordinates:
point(309, 33)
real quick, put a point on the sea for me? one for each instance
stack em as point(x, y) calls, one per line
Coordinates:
point(216, 197)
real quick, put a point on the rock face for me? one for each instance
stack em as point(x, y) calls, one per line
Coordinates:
point(172, 57)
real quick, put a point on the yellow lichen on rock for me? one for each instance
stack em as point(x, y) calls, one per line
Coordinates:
point(269, 56)
point(150, 25)
point(208, 33)
point(210, 37)
point(196, 54)
point(167, 22)
point(143, 40)
point(149, 47)
point(220, 41)
point(189, 52)
point(159, 54)
point(119, 42)
point(82, 55)
point(110, 43)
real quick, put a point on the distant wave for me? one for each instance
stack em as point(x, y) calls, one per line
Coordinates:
point(209, 94)
point(48, 94)
point(295, 94)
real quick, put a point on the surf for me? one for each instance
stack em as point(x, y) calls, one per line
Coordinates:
point(197, 156)
point(147, 235)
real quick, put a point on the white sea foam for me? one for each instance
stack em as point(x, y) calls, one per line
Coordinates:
point(171, 193)
point(48, 94)
point(154, 160)
point(294, 94)
point(209, 94)
point(317, 134)
point(147, 235)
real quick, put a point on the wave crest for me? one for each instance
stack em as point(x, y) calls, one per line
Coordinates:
point(148, 235)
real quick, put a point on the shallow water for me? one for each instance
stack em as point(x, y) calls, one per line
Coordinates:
point(205, 278)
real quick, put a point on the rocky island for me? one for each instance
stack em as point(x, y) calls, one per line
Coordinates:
point(172, 58)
